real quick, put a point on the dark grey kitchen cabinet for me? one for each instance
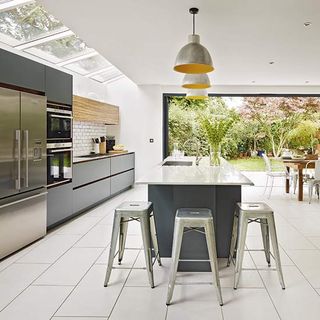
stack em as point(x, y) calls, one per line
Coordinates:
point(122, 181)
point(58, 86)
point(122, 163)
point(21, 72)
point(89, 195)
point(86, 172)
point(59, 204)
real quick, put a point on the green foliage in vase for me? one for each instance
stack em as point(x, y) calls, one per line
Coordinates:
point(216, 128)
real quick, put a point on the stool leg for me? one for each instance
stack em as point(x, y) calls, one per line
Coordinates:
point(233, 238)
point(265, 239)
point(145, 230)
point(176, 247)
point(155, 239)
point(122, 238)
point(243, 225)
point(211, 244)
point(113, 245)
point(275, 247)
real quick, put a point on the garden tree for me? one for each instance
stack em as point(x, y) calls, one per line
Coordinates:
point(181, 125)
point(304, 135)
point(278, 116)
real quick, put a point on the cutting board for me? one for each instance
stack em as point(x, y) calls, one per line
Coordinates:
point(117, 151)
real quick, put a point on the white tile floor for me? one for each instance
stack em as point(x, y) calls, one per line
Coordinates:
point(61, 276)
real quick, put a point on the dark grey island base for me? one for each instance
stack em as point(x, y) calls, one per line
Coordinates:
point(221, 199)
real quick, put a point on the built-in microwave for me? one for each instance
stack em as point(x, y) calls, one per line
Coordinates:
point(59, 158)
point(59, 122)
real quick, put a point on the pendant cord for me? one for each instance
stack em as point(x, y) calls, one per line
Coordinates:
point(193, 24)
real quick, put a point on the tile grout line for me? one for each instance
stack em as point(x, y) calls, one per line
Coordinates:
point(303, 275)
point(265, 287)
point(94, 263)
point(124, 283)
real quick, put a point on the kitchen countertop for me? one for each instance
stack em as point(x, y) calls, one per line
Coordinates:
point(98, 157)
point(204, 174)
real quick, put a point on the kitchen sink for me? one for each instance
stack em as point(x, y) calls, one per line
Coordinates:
point(177, 163)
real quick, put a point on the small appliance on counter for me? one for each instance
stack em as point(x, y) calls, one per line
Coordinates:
point(110, 143)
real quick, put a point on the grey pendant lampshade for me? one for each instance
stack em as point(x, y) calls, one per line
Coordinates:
point(193, 57)
point(196, 81)
point(197, 94)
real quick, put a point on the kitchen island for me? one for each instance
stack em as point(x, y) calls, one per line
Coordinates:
point(180, 183)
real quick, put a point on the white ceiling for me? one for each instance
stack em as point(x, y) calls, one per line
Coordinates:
point(142, 37)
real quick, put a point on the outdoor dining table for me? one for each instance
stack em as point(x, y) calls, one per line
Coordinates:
point(298, 165)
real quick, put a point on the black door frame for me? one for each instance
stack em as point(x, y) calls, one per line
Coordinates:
point(165, 110)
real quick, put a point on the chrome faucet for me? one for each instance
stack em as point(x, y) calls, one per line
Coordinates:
point(196, 143)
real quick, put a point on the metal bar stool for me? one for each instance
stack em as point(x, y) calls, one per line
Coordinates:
point(192, 219)
point(134, 211)
point(246, 213)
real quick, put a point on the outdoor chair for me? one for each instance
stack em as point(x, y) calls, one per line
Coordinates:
point(313, 179)
point(273, 174)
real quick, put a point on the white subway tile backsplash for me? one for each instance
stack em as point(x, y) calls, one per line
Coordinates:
point(83, 132)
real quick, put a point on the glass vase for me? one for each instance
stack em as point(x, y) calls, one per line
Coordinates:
point(215, 154)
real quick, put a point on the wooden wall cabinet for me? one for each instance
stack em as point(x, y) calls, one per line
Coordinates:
point(85, 109)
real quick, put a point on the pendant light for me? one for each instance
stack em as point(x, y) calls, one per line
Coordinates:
point(196, 81)
point(193, 57)
point(197, 94)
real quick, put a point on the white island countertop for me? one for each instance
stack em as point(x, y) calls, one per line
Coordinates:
point(203, 174)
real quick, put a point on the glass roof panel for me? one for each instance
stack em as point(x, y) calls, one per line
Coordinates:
point(27, 23)
point(59, 50)
point(107, 75)
point(88, 65)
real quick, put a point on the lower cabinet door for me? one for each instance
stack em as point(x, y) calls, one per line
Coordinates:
point(59, 203)
point(122, 181)
point(90, 194)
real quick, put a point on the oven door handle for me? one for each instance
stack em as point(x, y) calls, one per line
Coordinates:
point(59, 116)
point(59, 150)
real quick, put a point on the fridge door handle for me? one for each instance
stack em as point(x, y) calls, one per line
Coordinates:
point(26, 141)
point(18, 140)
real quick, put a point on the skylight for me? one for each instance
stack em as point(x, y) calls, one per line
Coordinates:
point(108, 75)
point(27, 23)
point(27, 26)
point(59, 50)
point(88, 65)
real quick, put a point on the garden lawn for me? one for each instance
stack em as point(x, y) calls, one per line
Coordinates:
point(255, 164)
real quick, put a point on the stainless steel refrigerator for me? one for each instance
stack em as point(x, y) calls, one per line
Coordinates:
point(23, 169)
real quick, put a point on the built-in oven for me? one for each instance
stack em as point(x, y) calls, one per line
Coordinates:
point(59, 157)
point(59, 122)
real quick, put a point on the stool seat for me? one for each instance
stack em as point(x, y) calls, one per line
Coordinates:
point(260, 207)
point(193, 213)
point(193, 218)
point(135, 207)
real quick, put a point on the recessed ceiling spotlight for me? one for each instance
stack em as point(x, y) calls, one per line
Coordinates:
point(253, 81)
point(271, 62)
point(307, 24)
point(307, 81)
